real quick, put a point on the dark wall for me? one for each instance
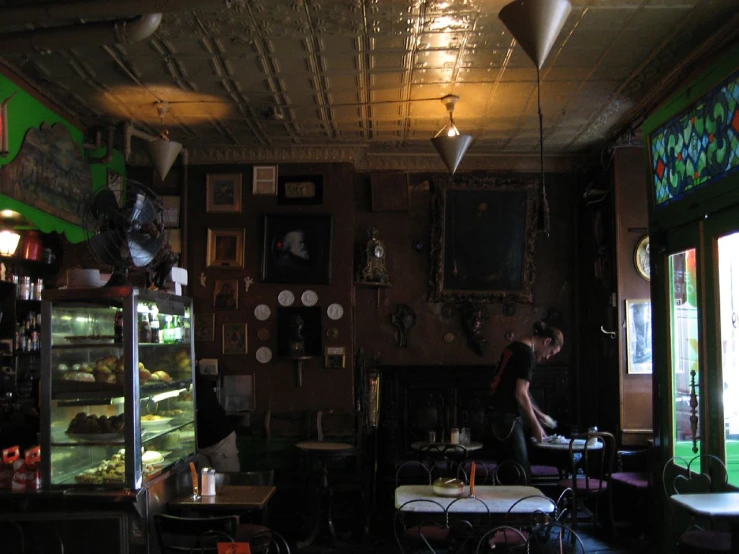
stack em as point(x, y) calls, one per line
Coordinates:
point(410, 275)
point(367, 320)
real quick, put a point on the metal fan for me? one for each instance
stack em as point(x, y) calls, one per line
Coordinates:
point(126, 235)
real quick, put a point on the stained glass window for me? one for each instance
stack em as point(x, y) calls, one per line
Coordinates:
point(698, 146)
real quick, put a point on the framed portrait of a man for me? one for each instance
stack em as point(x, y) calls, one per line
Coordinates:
point(226, 248)
point(297, 248)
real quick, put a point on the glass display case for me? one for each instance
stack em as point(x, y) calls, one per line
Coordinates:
point(117, 403)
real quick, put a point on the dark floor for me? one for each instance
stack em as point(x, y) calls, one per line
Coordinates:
point(592, 543)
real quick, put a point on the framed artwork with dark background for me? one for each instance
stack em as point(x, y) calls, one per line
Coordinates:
point(312, 332)
point(205, 327)
point(226, 248)
point(223, 193)
point(297, 248)
point(301, 190)
point(483, 235)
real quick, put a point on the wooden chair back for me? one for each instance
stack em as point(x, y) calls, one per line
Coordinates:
point(192, 535)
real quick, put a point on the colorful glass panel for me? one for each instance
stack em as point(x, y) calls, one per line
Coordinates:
point(698, 146)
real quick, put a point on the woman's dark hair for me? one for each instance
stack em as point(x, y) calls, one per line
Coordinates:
point(541, 329)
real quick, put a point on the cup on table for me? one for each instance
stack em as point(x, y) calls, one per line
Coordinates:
point(464, 436)
point(454, 435)
point(432, 436)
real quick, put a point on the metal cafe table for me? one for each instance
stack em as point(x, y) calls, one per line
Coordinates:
point(323, 452)
point(557, 451)
point(234, 498)
point(719, 506)
point(498, 499)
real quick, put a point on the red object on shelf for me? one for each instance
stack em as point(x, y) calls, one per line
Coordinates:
point(33, 246)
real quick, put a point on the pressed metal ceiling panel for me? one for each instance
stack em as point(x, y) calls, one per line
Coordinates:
point(370, 73)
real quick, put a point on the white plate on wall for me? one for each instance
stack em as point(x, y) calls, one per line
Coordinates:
point(263, 354)
point(286, 298)
point(262, 312)
point(309, 298)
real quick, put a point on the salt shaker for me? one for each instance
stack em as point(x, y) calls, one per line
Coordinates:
point(208, 481)
point(454, 435)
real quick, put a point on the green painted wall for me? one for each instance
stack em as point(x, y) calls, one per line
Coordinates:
point(24, 113)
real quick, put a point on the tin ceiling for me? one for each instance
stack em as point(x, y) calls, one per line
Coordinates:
point(360, 80)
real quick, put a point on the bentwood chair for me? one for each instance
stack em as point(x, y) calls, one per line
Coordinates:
point(428, 528)
point(591, 465)
point(702, 474)
point(192, 535)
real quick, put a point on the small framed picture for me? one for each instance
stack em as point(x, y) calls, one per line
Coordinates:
point(302, 190)
point(226, 248)
point(638, 336)
point(335, 357)
point(223, 193)
point(264, 180)
point(205, 327)
point(234, 338)
point(226, 294)
point(171, 211)
point(237, 393)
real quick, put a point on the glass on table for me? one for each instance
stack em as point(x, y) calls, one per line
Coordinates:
point(465, 436)
point(454, 435)
point(432, 437)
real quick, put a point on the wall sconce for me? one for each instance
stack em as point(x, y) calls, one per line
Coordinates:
point(8, 242)
point(535, 24)
point(449, 142)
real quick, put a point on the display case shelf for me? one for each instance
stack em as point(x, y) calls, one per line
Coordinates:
point(113, 415)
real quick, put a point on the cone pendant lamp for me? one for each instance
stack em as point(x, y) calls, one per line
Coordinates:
point(535, 24)
point(163, 153)
point(449, 142)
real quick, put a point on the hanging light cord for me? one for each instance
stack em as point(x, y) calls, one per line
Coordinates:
point(544, 212)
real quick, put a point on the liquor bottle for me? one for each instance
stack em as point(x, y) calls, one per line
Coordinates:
point(144, 328)
point(155, 328)
point(177, 330)
point(168, 331)
point(118, 326)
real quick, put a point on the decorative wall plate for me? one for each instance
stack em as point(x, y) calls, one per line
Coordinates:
point(332, 333)
point(263, 354)
point(335, 311)
point(262, 312)
point(641, 258)
point(309, 298)
point(263, 334)
point(286, 298)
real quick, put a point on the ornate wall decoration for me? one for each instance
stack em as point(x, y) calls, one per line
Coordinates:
point(50, 173)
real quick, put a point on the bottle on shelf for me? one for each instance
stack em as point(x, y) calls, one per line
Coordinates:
point(118, 326)
point(144, 328)
point(155, 335)
point(168, 331)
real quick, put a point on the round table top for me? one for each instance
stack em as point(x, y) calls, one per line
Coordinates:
point(324, 446)
point(471, 447)
point(563, 443)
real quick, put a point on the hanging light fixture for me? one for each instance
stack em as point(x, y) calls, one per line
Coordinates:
point(162, 151)
point(449, 142)
point(9, 238)
point(8, 242)
point(535, 24)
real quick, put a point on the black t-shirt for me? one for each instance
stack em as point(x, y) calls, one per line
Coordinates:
point(213, 423)
point(516, 362)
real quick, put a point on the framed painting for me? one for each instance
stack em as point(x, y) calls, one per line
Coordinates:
point(483, 235)
point(171, 211)
point(226, 248)
point(223, 193)
point(264, 180)
point(301, 190)
point(297, 248)
point(237, 392)
point(234, 338)
point(639, 336)
point(205, 327)
point(226, 294)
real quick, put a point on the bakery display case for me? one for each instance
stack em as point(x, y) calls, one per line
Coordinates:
point(117, 404)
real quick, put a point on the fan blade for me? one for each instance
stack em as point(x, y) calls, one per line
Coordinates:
point(143, 248)
point(145, 237)
point(106, 246)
